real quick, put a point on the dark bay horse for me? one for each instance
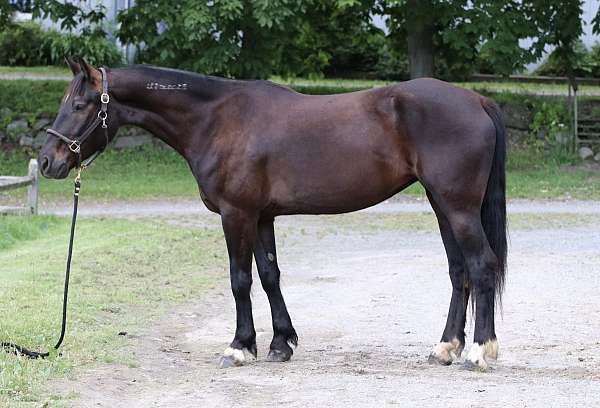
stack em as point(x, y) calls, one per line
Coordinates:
point(259, 150)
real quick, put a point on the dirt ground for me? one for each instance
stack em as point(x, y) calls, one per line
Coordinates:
point(368, 305)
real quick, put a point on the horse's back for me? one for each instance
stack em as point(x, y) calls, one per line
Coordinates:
point(341, 153)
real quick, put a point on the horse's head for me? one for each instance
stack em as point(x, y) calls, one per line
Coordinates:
point(84, 124)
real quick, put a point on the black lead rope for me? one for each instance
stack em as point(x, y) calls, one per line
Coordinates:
point(19, 350)
point(75, 146)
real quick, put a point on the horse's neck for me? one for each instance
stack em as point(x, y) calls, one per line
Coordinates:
point(165, 105)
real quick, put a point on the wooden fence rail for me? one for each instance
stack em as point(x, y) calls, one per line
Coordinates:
point(31, 181)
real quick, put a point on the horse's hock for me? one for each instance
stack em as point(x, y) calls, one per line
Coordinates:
point(31, 181)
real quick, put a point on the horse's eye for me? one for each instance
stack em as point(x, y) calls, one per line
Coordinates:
point(78, 106)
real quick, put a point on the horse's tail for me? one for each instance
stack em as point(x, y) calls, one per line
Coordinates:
point(493, 210)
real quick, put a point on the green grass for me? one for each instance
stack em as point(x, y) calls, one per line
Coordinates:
point(15, 229)
point(124, 273)
point(525, 88)
point(140, 173)
point(552, 175)
point(49, 70)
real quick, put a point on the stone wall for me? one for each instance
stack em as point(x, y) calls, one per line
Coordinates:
point(19, 131)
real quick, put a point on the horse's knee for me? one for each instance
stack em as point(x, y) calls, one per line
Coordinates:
point(457, 275)
point(482, 272)
point(269, 280)
point(241, 284)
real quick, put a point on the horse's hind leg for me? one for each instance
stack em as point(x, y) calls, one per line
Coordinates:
point(453, 339)
point(265, 255)
point(481, 263)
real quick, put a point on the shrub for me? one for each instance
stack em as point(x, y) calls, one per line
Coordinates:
point(553, 66)
point(93, 46)
point(594, 60)
point(392, 63)
point(23, 44)
point(26, 44)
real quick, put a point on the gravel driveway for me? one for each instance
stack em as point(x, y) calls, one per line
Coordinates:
point(368, 302)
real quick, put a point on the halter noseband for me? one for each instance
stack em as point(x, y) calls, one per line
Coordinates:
point(75, 144)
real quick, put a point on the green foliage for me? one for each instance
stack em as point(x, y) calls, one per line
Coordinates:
point(338, 39)
point(93, 47)
point(593, 60)
point(244, 39)
point(70, 14)
point(23, 44)
point(555, 65)
point(26, 44)
point(487, 34)
point(5, 13)
point(459, 27)
point(563, 28)
point(550, 130)
point(256, 38)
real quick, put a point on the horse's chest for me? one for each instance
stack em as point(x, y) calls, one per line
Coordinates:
point(209, 204)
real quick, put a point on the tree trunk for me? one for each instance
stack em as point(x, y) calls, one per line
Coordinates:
point(420, 31)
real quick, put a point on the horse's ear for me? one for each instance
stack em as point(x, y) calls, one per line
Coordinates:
point(75, 68)
point(90, 73)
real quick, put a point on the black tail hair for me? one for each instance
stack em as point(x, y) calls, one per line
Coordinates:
point(493, 210)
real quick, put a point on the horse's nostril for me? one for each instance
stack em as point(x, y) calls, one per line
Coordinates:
point(45, 164)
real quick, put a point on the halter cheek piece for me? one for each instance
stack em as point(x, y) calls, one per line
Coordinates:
point(75, 144)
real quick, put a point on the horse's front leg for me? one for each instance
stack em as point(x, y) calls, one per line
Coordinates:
point(240, 234)
point(265, 255)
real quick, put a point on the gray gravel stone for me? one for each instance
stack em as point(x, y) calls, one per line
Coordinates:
point(17, 125)
point(5, 113)
point(585, 153)
point(26, 141)
point(41, 124)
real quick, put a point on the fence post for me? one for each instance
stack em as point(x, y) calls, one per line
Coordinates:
point(32, 190)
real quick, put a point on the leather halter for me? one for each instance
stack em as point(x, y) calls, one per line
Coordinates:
point(75, 144)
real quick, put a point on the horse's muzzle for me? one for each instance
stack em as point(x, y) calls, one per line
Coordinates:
point(51, 168)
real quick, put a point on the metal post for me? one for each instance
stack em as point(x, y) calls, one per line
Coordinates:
point(573, 141)
point(32, 190)
point(575, 125)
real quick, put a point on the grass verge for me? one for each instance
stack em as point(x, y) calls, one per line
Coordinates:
point(142, 173)
point(124, 274)
point(41, 70)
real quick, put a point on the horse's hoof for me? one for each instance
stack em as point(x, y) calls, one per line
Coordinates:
point(468, 365)
point(232, 358)
point(227, 362)
point(276, 356)
point(479, 354)
point(435, 360)
point(471, 366)
point(445, 352)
